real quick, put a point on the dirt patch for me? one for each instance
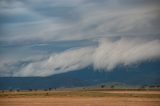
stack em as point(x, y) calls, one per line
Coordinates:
point(79, 101)
point(133, 92)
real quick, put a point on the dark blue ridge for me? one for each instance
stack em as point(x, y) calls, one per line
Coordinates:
point(146, 73)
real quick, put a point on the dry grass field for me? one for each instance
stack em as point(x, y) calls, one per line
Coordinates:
point(80, 98)
point(79, 101)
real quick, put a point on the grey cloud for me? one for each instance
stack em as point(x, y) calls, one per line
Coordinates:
point(64, 13)
point(42, 21)
point(107, 55)
point(76, 20)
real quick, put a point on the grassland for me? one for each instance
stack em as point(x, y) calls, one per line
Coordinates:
point(81, 97)
point(84, 93)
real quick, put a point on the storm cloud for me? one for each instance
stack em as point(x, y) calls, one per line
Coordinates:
point(56, 20)
point(42, 38)
point(107, 55)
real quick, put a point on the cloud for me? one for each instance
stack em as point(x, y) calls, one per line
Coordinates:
point(58, 20)
point(124, 30)
point(125, 51)
point(108, 54)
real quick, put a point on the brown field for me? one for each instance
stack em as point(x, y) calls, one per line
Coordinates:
point(80, 98)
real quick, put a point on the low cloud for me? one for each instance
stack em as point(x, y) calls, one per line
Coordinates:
point(125, 51)
point(108, 54)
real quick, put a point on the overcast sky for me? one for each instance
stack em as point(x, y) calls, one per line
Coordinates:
point(47, 37)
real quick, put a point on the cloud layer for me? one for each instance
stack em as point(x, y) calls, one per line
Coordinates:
point(56, 20)
point(107, 55)
point(46, 37)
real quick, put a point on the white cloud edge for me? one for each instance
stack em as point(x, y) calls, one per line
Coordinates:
point(107, 55)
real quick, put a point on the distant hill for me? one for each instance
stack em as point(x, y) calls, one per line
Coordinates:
point(146, 73)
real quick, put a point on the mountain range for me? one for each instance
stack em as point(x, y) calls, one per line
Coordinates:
point(146, 73)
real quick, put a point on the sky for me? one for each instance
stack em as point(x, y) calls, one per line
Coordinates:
point(47, 37)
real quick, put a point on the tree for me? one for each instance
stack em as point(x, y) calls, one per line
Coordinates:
point(18, 90)
point(30, 89)
point(102, 86)
point(112, 86)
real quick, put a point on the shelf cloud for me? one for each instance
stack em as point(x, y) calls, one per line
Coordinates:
point(107, 55)
point(42, 38)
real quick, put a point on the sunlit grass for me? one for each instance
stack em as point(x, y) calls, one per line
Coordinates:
point(75, 93)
